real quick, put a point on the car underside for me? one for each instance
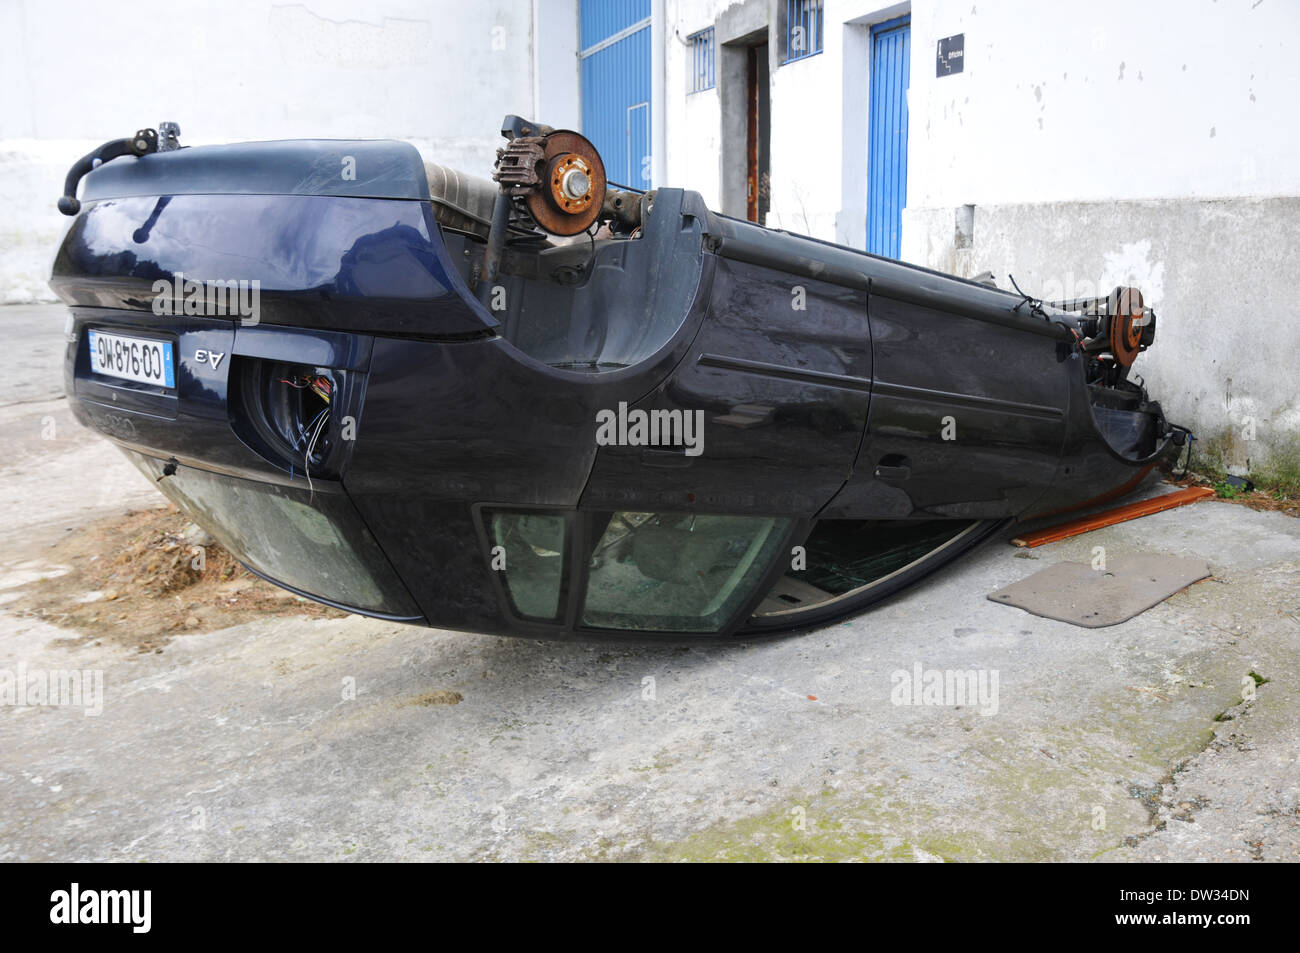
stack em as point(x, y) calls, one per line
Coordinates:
point(553, 407)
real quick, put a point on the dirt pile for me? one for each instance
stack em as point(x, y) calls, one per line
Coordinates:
point(148, 576)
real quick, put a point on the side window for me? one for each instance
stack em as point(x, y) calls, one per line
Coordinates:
point(678, 573)
point(847, 557)
point(531, 559)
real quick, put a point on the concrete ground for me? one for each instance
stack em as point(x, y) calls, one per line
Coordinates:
point(1173, 736)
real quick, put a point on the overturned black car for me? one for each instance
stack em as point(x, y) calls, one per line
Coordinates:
point(557, 408)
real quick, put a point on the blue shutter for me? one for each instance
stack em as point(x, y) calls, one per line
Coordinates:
point(615, 58)
point(891, 48)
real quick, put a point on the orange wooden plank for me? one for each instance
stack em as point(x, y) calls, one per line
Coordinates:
point(1129, 511)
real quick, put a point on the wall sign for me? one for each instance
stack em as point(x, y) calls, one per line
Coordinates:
point(951, 53)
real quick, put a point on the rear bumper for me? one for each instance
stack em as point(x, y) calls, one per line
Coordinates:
point(228, 474)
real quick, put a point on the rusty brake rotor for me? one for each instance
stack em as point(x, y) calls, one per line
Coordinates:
point(1125, 325)
point(573, 185)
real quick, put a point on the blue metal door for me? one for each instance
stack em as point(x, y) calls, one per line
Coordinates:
point(891, 49)
point(615, 58)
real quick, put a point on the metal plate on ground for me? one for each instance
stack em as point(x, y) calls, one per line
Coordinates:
point(1078, 594)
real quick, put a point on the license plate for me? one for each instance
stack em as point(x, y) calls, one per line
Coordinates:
point(146, 360)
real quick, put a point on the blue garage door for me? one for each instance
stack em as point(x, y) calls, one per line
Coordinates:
point(615, 57)
point(891, 49)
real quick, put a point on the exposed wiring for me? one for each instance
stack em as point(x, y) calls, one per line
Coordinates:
point(1035, 304)
point(318, 384)
point(591, 260)
point(625, 188)
point(324, 418)
point(322, 388)
point(302, 434)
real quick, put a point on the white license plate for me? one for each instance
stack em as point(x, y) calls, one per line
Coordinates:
point(146, 360)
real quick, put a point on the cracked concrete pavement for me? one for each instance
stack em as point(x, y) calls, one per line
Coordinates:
point(361, 739)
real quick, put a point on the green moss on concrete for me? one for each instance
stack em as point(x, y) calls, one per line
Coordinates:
point(1037, 802)
point(1276, 469)
point(1280, 470)
point(833, 830)
point(883, 825)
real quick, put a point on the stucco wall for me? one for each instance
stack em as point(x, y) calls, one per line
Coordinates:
point(1145, 143)
point(694, 120)
point(439, 73)
point(1105, 100)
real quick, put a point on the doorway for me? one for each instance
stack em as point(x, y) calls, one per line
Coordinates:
point(758, 134)
point(891, 55)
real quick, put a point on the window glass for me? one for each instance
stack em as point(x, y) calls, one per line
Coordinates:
point(532, 552)
point(675, 573)
point(319, 547)
point(844, 556)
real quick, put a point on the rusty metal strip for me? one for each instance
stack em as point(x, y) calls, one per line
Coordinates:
point(1120, 514)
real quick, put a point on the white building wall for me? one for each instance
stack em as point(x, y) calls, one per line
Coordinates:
point(1146, 143)
point(556, 77)
point(693, 120)
point(1057, 102)
point(807, 138)
point(75, 73)
point(1105, 100)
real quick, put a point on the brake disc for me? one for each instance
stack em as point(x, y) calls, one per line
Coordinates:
point(572, 189)
point(1126, 323)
